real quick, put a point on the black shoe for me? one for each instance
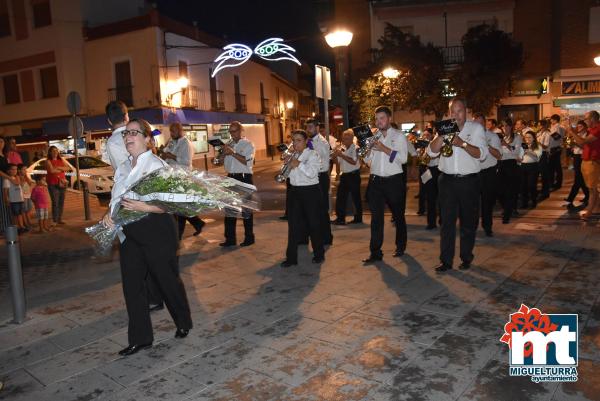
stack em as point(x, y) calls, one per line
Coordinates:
point(156, 307)
point(199, 228)
point(181, 333)
point(318, 259)
point(372, 259)
point(287, 263)
point(505, 221)
point(489, 233)
point(442, 267)
point(420, 213)
point(430, 227)
point(464, 266)
point(515, 213)
point(398, 253)
point(247, 242)
point(393, 220)
point(356, 221)
point(133, 349)
point(283, 217)
point(329, 241)
point(227, 243)
point(337, 222)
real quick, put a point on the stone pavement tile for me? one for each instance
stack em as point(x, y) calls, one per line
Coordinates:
point(70, 363)
point(589, 335)
point(208, 335)
point(331, 385)
point(212, 292)
point(97, 310)
point(246, 385)
point(89, 385)
point(249, 280)
point(379, 357)
point(549, 304)
point(146, 363)
point(285, 332)
point(587, 387)
point(166, 385)
point(92, 331)
point(482, 324)
point(212, 310)
point(494, 383)
point(446, 368)
point(18, 384)
point(35, 331)
point(286, 370)
point(450, 303)
point(268, 313)
point(26, 354)
point(317, 352)
point(219, 364)
point(348, 331)
point(424, 327)
point(508, 297)
point(330, 309)
point(389, 306)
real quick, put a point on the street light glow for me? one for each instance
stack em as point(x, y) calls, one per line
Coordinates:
point(391, 73)
point(597, 60)
point(183, 82)
point(289, 104)
point(339, 38)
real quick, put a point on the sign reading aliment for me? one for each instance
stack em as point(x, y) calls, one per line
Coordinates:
point(580, 87)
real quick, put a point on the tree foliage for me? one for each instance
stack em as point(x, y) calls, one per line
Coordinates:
point(491, 60)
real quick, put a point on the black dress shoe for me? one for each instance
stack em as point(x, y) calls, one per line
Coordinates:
point(199, 228)
point(287, 263)
point(398, 253)
point(338, 222)
point(420, 213)
point(489, 233)
point(318, 259)
point(505, 221)
point(181, 333)
point(155, 307)
point(355, 221)
point(464, 266)
point(247, 242)
point(442, 267)
point(372, 259)
point(227, 243)
point(430, 227)
point(283, 217)
point(132, 349)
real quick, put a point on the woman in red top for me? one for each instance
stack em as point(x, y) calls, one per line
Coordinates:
point(56, 167)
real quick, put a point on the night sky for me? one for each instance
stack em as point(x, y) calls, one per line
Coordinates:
point(252, 21)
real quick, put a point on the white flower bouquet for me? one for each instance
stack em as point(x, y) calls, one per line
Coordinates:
point(181, 192)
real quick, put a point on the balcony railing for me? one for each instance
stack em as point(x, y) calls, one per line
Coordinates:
point(240, 103)
point(217, 100)
point(196, 98)
point(122, 93)
point(264, 106)
point(452, 54)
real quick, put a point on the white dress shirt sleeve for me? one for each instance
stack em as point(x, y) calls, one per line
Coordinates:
point(183, 152)
point(309, 164)
point(401, 147)
point(478, 140)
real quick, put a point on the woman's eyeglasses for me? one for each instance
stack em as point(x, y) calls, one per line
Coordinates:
point(131, 132)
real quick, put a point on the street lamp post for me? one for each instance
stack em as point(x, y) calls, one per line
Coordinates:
point(339, 41)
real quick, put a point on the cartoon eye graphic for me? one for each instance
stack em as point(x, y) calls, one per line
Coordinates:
point(234, 55)
point(274, 49)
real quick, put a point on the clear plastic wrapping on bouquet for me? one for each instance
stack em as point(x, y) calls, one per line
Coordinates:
point(182, 192)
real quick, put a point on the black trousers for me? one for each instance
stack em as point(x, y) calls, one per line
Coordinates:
point(422, 196)
point(305, 213)
point(349, 185)
point(391, 191)
point(508, 177)
point(248, 217)
point(287, 197)
point(195, 221)
point(579, 183)
point(529, 174)
point(429, 193)
point(489, 187)
point(324, 181)
point(545, 174)
point(459, 198)
point(150, 248)
point(556, 173)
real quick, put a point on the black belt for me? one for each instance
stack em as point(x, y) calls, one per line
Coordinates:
point(375, 177)
point(495, 166)
point(353, 172)
point(244, 175)
point(461, 175)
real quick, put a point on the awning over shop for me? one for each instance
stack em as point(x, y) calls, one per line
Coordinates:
point(576, 102)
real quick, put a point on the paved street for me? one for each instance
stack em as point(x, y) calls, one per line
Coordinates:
point(341, 331)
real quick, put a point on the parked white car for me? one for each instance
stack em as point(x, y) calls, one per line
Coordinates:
point(93, 172)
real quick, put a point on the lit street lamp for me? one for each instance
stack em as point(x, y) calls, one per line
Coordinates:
point(597, 60)
point(339, 41)
point(182, 83)
point(390, 73)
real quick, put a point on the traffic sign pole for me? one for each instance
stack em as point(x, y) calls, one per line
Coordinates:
point(76, 131)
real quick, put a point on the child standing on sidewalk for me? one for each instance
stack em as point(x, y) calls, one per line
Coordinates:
point(41, 200)
point(13, 194)
point(26, 184)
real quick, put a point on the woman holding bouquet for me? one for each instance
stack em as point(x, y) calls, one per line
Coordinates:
point(149, 245)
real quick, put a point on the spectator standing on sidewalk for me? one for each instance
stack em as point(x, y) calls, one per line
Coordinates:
point(4, 206)
point(41, 200)
point(56, 167)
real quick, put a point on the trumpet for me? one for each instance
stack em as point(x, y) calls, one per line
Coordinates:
point(423, 157)
point(368, 144)
point(448, 129)
point(569, 141)
point(220, 157)
point(285, 171)
point(447, 150)
point(333, 151)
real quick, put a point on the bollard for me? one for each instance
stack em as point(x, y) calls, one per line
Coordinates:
point(15, 274)
point(86, 201)
point(205, 163)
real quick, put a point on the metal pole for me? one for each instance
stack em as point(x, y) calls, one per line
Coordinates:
point(325, 103)
point(86, 201)
point(15, 274)
point(205, 163)
point(341, 55)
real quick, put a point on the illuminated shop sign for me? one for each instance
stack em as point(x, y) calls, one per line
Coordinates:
point(580, 87)
point(272, 49)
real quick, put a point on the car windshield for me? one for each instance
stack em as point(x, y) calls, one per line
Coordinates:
point(86, 162)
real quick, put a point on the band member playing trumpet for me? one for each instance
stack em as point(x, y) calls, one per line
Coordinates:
point(429, 188)
point(386, 184)
point(238, 161)
point(459, 186)
point(350, 180)
point(305, 201)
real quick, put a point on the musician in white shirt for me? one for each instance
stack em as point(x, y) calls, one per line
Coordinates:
point(319, 144)
point(239, 159)
point(543, 139)
point(304, 201)
point(386, 184)
point(179, 153)
point(459, 186)
point(529, 169)
point(579, 182)
point(350, 180)
point(489, 172)
point(118, 117)
point(508, 170)
point(429, 191)
point(557, 134)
